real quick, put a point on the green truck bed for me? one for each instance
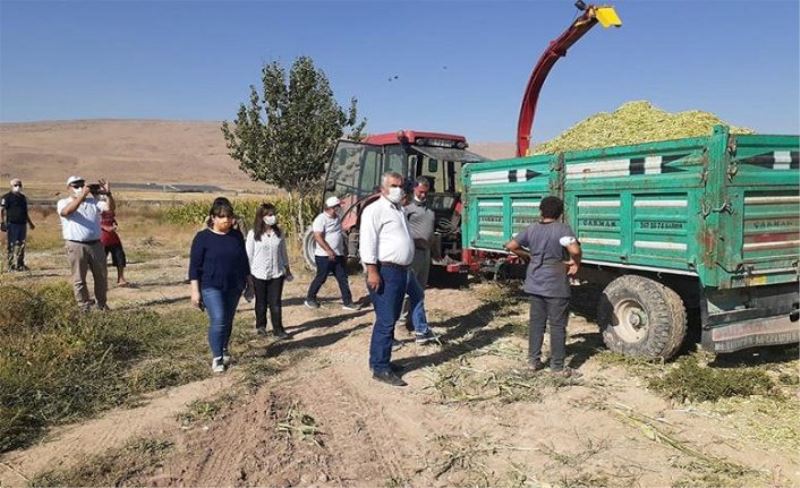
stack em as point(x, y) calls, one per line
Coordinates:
point(718, 214)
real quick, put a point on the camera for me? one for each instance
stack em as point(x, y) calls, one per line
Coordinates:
point(95, 189)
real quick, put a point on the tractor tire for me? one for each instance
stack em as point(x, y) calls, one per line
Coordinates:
point(308, 249)
point(641, 317)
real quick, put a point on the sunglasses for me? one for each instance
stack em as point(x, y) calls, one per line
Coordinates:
point(17, 186)
point(77, 184)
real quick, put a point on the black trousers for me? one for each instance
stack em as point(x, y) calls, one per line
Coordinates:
point(268, 295)
point(556, 312)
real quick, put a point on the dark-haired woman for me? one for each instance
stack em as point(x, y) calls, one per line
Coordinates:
point(269, 267)
point(218, 271)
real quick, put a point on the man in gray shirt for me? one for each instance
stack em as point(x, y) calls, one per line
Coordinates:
point(421, 221)
point(547, 281)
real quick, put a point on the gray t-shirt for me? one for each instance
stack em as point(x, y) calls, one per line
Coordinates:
point(421, 220)
point(546, 275)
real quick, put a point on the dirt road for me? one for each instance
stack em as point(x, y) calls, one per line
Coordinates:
point(471, 415)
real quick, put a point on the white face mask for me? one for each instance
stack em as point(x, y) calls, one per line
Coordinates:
point(395, 195)
point(420, 200)
point(270, 219)
point(103, 206)
point(16, 189)
point(77, 191)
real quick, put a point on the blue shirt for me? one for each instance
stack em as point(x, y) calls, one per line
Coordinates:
point(219, 260)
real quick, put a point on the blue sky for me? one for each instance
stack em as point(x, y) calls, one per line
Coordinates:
point(194, 60)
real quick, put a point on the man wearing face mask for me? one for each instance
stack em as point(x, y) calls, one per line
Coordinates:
point(386, 250)
point(14, 220)
point(329, 255)
point(421, 221)
point(80, 227)
point(111, 241)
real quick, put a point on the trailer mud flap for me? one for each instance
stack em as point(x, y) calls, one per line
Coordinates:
point(752, 333)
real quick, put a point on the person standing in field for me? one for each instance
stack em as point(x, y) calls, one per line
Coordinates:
point(329, 255)
point(386, 250)
point(421, 221)
point(14, 221)
point(555, 254)
point(111, 241)
point(80, 227)
point(269, 268)
point(218, 271)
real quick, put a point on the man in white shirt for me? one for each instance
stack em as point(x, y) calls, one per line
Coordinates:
point(80, 227)
point(329, 255)
point(386, 250)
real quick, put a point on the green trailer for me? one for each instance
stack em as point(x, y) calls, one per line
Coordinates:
point(708, 223)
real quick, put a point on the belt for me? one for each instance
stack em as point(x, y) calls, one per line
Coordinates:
point(84, 242)
point(392, 265)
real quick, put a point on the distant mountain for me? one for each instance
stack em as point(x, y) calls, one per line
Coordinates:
point(44, 154)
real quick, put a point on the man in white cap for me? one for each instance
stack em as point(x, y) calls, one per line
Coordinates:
point(329, 255)
point(80, 226)
point(14, 220)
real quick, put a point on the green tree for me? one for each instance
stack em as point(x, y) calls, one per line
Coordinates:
point(285, 135)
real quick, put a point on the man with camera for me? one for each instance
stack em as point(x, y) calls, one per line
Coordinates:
point(80, 226)
point(14, 221)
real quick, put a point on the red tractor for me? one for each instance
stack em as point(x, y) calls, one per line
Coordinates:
point(354, 175)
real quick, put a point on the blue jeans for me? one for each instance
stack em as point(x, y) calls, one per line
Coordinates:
point(221, 307)
point(388, 301)
point(416, 302)
point(324, 267)
point(16, 234)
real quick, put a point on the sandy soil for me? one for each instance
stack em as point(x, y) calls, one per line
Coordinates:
point(605, 429)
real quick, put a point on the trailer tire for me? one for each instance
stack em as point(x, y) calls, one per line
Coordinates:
point(641, 317)
point(308, 249)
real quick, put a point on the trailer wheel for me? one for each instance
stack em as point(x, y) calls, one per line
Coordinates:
point(641, 317)
point(308, 249)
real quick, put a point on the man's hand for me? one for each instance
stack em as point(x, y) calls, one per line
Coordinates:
point(2, 226)
point(373, 278)
point(105, 185)
point(332, 255)
point(30, 224)
point(572, 267)
point(85, 192)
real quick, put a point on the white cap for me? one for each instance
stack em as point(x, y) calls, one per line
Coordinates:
point(73, 179)
point(332, 202)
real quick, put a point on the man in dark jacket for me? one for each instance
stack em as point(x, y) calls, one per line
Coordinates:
point(14, 221)
point(554, 254)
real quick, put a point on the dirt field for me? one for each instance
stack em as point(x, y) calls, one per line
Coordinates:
point(471, 415)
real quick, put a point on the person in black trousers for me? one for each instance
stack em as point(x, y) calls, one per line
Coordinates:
point(269, 268)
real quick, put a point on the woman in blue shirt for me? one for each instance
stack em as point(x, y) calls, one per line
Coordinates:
point(218, 271)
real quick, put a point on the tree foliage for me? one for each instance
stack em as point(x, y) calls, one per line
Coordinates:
point(285, 134)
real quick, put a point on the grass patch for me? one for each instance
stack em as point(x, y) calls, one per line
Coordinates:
point(300, 425)
point(59, 365)
point(205, 410)
point(459, 382)
point(689, 380)
point(111, 469)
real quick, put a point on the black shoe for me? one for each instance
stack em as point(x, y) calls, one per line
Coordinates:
point(261, 331)
point(389, 378)
point(351, 306)
point(537, 365)
point(312, 304)
point(280, 334)
point(396, 368)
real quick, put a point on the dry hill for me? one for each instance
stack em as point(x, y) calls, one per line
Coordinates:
point(44, 154)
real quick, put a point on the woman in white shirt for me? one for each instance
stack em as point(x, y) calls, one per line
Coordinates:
point(269, 267)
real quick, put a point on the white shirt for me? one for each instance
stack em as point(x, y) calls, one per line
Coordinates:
point(83, 224)
point(384, 234)
point(268, 258)
point(331, 229)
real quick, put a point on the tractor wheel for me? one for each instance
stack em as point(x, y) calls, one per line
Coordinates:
point(308, 249)
point(641, 317)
